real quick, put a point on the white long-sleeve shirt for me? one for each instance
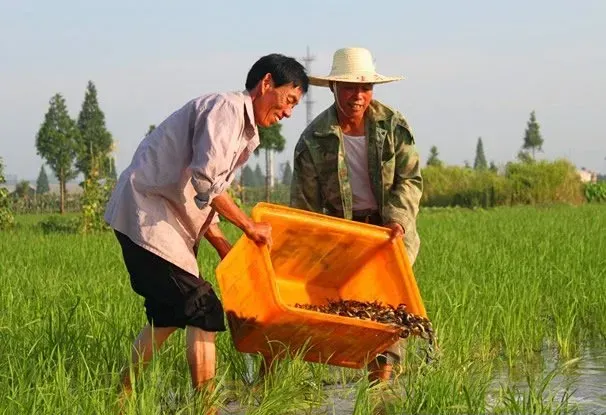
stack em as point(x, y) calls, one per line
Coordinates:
point(162, 199)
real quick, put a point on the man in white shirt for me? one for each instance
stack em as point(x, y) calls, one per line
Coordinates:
point(171, 194)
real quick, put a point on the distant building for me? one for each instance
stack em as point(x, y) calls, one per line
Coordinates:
point(587, 176)
point(72, 188)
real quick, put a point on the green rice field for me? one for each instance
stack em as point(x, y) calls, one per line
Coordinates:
point(516, 297)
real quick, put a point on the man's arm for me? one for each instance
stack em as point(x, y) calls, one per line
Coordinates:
point(259, 232)
point(217, 124)
point(214, 130)
point(305, 187)
point(405, 194)
point(217, 239)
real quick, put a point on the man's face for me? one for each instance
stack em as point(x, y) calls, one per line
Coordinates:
point(353, 99)
point(275, 103)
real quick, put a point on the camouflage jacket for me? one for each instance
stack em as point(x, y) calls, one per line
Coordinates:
point(320, 180)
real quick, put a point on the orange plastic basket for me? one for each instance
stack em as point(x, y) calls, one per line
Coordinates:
point(314, 258)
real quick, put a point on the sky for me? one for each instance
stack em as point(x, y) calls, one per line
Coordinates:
point(472, 68)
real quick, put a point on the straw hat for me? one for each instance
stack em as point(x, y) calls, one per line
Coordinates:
point(352, 65)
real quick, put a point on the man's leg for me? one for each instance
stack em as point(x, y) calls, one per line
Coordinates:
point(381, 368)
point(201, 356)
point(147, 342)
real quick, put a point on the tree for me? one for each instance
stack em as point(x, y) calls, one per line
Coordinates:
point(480, 161)
point(6, 216)
point(94, 199)
point(94, 139)
point(271, 140)
point(42, 186)
point(259, 179)
point(57, 143)
point(248, 177)
point(287, 175)
point(532, 136)
point(112, 173)
point(493, 167)
point(22, 189)
point(525, 157)
point(433, 159)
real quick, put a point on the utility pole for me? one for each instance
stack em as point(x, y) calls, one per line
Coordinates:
point(308, 59)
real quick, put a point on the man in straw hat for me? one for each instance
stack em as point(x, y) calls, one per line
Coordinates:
point(169, 198)
point(357, 160)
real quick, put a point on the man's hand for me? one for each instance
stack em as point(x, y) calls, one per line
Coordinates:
point(260, 233)
point(397, 231)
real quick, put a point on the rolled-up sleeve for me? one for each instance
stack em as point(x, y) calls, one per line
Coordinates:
point(217, 127)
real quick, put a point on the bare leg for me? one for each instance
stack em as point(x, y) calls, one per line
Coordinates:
point(379, 371)
point(201, 356)
point(381, 368)
point(146, 343)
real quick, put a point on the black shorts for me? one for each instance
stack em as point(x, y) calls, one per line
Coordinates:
point(173, 297)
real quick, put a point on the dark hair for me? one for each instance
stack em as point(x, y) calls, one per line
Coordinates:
point(283, 70)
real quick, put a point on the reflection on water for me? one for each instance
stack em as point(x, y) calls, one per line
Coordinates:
point(591, 381)
point(585, 378)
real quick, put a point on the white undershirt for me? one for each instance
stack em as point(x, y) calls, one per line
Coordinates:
point(356, 154)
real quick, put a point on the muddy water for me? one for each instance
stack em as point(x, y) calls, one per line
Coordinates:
point(585, 380)
point(590, 379)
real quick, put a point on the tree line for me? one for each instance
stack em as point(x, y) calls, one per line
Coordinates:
point(525, 181)
point(532, 142)
point(6, 216)
point(255, 178)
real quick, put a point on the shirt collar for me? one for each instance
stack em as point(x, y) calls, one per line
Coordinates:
point(250, 126)
point(328, 123)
